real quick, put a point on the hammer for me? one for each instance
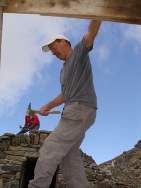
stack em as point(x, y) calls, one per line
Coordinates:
point(38, 111)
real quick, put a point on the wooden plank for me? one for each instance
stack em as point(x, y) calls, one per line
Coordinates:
point(4, 2)
point(1, 19)
point(125, 11)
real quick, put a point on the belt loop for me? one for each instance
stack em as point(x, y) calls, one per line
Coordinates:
point(78, 102)
point(62, 111)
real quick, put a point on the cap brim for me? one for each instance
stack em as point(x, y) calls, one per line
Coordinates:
point(46, 48)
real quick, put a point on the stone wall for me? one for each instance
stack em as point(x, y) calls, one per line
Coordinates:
point(15, 152)
point(20, 152)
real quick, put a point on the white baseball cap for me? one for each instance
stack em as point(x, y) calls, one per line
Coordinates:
point(55, 37)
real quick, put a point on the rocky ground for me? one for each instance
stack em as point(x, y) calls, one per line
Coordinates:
point(126, 167)
point(124, 171)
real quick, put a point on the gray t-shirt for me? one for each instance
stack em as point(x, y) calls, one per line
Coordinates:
point(76, 77)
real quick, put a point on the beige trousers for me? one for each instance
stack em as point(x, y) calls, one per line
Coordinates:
point(61, 147)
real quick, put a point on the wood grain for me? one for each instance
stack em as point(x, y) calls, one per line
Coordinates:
point(124, 11)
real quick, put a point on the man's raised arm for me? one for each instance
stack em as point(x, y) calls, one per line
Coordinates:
point(92, 32)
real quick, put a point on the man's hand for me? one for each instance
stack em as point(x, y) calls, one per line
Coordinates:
point(44, 110)
point(20, 127)
point(56, 102)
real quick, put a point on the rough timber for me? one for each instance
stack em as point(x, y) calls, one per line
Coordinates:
point(123, 11)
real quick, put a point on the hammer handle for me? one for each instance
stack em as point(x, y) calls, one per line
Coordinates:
point(50, 112)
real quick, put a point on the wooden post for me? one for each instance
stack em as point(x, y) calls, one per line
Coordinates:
point(2, 3)
point(1, 19)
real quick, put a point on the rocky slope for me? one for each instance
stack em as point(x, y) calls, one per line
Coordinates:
point(124, 171)
point(126, 167)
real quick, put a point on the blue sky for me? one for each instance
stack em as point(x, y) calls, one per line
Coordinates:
point(29, 75)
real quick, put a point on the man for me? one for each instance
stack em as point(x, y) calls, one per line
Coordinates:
point(80, 104)
point(32, 123)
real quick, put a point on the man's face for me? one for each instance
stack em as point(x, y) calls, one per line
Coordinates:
point(58, 49)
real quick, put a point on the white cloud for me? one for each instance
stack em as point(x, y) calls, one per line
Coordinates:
point(132, 33)
point(107, 71)
point(22, 57)
point(103, 53)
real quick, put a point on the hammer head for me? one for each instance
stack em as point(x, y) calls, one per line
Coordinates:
point(29, 110)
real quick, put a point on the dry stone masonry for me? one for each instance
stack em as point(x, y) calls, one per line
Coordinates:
point(19, 153)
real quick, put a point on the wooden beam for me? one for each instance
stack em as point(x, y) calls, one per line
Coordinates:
point(1, 19)
point(125, 11)
point(3, 3)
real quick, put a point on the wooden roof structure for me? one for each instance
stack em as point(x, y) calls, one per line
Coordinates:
point(123, 11)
